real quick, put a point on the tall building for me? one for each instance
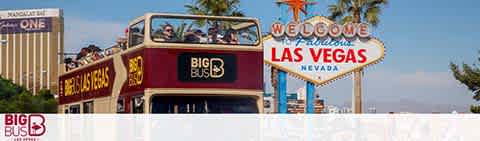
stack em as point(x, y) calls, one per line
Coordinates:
point(31, 47)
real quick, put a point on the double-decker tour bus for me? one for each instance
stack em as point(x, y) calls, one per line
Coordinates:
point(173, 63)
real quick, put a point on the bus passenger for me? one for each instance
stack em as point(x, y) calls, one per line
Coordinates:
point(214, 36)
point(202, 36)
point(166, 34)
point(231, 37)
point(70, 64)
point(195, 37)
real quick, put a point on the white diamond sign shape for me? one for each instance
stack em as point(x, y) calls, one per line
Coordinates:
point(321, 60)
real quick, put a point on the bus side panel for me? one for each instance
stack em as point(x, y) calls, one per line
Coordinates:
point(103, 105)
point(90, 82)
point(161, 69)
point(134, 63)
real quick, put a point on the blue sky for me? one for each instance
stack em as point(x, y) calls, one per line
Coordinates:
point(421, 38)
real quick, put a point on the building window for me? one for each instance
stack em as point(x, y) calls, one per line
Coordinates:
point(88, 107)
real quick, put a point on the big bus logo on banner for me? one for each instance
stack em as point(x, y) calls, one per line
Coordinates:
point(24, 126)
point(319, 50)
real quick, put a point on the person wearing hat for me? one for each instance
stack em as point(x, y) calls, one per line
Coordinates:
point(214, 36)
point(197, 36)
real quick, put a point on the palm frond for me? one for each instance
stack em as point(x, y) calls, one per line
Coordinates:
point(371, 15)
point(477, 96)
point(372, 3)
point(335, 12)
point(346, 19)
point(215, 7)
point(359, 11)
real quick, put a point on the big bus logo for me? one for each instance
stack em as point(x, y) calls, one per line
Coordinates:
point(24, 125)
point(207, 67)
point(135, 71)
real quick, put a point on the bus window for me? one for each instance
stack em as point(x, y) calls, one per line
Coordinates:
point(136, 33)
point(75, 109)
point(178, 30)
point(120, 105)
point(204, 31)
point(88, 107)
point(203, 104)
point(137, 104)
point(232, 32)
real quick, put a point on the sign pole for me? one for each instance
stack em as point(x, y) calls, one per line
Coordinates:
point(310, 98)
point(310, 106)
point(282, 91)
point(357, 92)
point(282, 75)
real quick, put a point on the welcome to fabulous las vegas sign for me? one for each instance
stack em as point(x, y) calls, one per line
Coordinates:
point(319, 50)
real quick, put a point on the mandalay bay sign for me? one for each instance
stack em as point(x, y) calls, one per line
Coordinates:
point(319, 50)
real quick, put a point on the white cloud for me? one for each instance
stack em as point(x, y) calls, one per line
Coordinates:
point(418, 78)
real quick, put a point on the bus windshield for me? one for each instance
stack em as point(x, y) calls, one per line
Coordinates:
point(198, 30)
point(203, 104)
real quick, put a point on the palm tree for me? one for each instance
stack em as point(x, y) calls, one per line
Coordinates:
point(357, 11)
point(215, 8)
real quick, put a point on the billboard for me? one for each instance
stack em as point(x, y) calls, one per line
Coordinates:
point(319, 50)
point(30, 13)
point(25, 25)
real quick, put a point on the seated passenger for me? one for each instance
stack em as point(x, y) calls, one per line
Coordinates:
point(195, 37)
point(70, 64)
point(122, 43)
point(83, 52)
point(214, 36)
point(167, 34)
point(231, 37)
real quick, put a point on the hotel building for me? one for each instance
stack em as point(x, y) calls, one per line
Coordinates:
point(31, 47)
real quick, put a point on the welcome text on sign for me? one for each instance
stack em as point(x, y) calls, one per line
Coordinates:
point(326, 53)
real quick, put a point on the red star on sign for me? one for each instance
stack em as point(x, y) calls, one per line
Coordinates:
point(296, 6)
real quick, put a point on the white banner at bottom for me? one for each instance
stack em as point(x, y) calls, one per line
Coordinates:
point(233, 127)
